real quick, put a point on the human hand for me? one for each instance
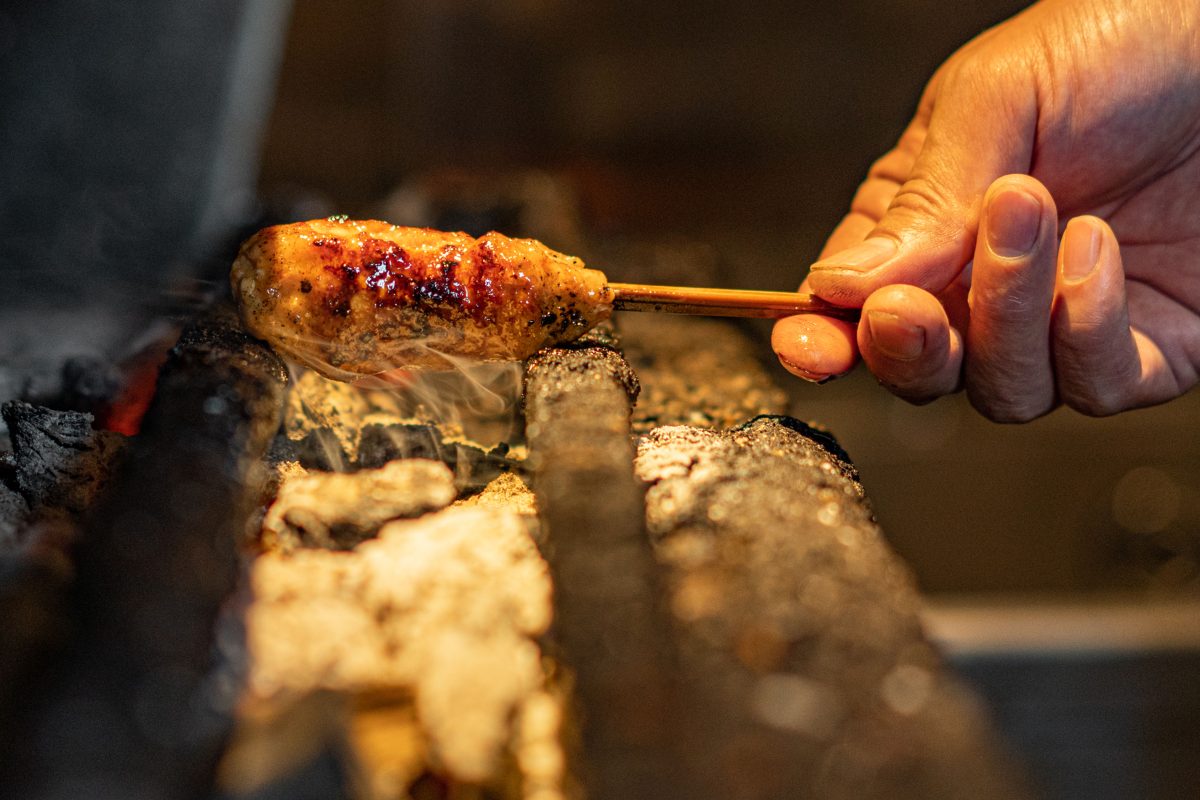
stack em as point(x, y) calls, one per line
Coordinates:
point(1080, 110)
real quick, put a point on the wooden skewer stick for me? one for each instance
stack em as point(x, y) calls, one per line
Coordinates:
point(723, 302)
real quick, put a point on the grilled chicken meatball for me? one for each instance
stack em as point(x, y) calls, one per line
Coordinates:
point(351, 298)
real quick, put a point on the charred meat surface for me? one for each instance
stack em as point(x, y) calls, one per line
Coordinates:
point(352, 298)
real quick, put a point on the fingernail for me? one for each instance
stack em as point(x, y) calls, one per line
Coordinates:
point(801, 372)
point(1014, 217)
point(863, 257)
point(1081, 251)
point(895, 338)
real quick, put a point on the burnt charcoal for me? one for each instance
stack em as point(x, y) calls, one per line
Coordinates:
point(799, 631)
point(320, 449)
point(13, 513)
point(381, 443)
point(60, 462)
point(35, 575)
point(281, 449)
point(8, 467)
point(473, 467)
point(136, 707)
point(379, 440)
point(323, 419)
point(578, 369)
point(337, 511)
point(335, 427)
point(508, 491)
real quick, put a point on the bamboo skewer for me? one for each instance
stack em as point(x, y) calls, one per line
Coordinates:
point(723, 302)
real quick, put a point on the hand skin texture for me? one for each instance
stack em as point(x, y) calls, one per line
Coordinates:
point(1034, 237)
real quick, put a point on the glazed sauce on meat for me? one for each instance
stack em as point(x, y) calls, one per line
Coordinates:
point(364, 297)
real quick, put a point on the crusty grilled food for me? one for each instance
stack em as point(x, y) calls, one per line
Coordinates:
point(351, 298)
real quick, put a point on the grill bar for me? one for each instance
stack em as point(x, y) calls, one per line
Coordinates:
point(608, 623)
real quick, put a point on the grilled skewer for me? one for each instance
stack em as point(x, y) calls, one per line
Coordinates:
point(351, 298)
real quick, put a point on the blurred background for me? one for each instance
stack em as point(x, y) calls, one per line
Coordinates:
point(141, 139)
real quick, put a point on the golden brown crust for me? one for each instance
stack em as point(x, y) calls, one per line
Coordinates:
point(352, 298)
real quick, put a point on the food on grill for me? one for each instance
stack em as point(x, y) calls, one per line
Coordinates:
point(351, 298)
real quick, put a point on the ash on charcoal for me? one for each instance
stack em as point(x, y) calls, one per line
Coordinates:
point(59, 461)
point(339, 510)
point(799, 631)
point(280, 469)
point(472, 465)
point(562, 371)
point(323, 420)
point(279, 466)
point(507, 491)
point(445, 610)
point(695, 371)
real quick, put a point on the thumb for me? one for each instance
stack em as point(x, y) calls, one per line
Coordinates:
point(977, 121)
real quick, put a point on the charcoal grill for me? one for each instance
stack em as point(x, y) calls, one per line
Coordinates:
point(727, 621)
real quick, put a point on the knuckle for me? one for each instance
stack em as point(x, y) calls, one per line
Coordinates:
point(1097, 406)
point(916, 394)
point(1006, 408)
point(1094, 376)
point(894, 165)
point(1008, 299)
point(920, 198)
point(883, 167)
point(1093, 399)
point(1009, 414)
point(918, 383)
point(968, 72)
point(1086, 331)
point(872, 197)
